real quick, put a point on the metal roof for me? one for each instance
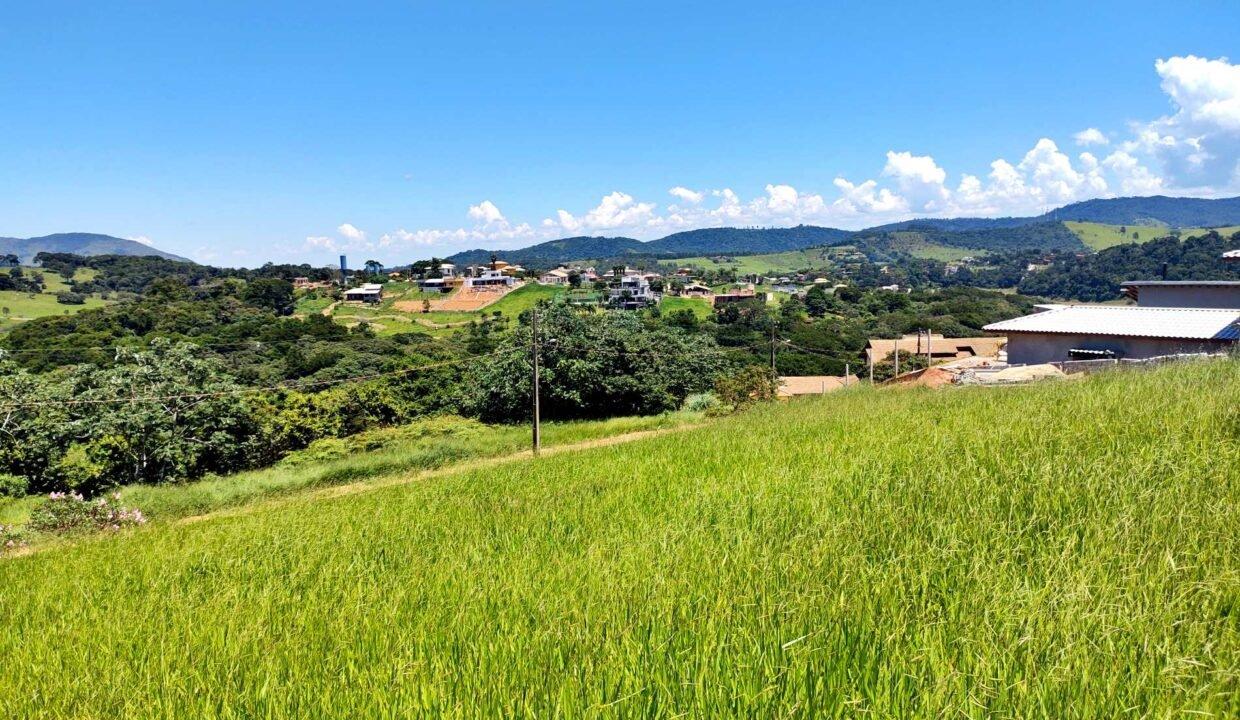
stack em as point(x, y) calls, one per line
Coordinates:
point(1232, 255)
point(1155, 322)
point(1182, 283)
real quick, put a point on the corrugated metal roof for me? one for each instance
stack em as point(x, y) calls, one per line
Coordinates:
point(1232, 254)
point(1182, 283)
point(1158, 322)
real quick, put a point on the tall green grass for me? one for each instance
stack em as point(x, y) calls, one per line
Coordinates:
point(1066, 550)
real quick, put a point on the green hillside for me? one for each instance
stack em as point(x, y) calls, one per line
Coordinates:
point(879, 553)
point(18, 307)
point(1100, 236)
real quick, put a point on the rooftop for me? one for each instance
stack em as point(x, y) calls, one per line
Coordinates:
point(1154, 322)
point(1182, 283)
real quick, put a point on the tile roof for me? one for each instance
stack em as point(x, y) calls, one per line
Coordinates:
point(1156, 322)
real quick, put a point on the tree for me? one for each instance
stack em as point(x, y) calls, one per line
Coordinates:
point(751, 384)
point(592, 365)
point(271, 293)
point(373, 267)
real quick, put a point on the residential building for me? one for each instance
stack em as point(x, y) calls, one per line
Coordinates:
point(795, 385)
point(490, 279)
point(631, 293)
point(559, 276)
point(1085, 332)
point(697, 290)
point(369, 293)
point(1232, 255)
point(1184, 293)
point(940, 348)
point(738, 295)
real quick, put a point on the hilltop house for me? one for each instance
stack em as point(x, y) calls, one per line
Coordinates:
point(633, 292)
point(559, 276)
point(490, 279)
point(737, 295)
point(369, 293)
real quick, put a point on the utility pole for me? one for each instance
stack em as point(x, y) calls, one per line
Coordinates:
point(773, 348)
point(847, 374)
point(929, 349)
point(896, 355)
point(537, 434)
point(871, 359)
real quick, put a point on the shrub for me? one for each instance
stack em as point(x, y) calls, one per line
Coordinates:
point(68, 512)
point(13, 485)
point(701, 402)
point(754, 383)
point(10, 538)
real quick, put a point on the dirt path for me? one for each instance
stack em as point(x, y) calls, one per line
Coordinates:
point(328, 310)
point(334, 491)
point(354, 488)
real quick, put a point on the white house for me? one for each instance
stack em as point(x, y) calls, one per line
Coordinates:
point(368, 293)
point(490, 279)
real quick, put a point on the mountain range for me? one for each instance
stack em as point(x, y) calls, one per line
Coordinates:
point(79, 244)
point(1045, 231)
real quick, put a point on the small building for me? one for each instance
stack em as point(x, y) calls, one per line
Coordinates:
point(559, 276)
point(369, 293)
point(941, 348)
point(447, 270)
point(737, 295)
point(490, 279)
point(697, 290)
point(301, 283)
point(1184, 293)
point(795, 385)
point(441, 285)
point(1098, 332)
point(1232, 255)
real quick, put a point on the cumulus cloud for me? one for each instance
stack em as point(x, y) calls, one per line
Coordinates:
point(1090, 136)
point(350, 232)
point(320, 242)
point(686, 195)
point(1198, 145)
point(1195, 149)
point(485, 212)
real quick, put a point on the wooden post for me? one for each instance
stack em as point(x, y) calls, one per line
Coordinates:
point(536, 440)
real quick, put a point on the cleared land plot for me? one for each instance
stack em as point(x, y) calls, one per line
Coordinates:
point(909, 553)
point(1099, 236)
point(698, 306)
point(25, 306)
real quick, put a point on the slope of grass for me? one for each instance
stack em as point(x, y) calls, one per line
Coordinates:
point(524, 298)
point(698, 306)
point(26, 306)
point(1066, 550)
point(766, 264)
point(1099, 236)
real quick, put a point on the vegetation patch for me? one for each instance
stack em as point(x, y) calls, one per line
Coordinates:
point(906, 553)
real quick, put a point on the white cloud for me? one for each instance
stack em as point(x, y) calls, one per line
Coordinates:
point(485, 212)
point(1198, 145)
point(919, 178)
point(350, 232)
point(141, 239)
point(684, 194)
point(321, 242)
point(1193, 150)
point(1090, 136)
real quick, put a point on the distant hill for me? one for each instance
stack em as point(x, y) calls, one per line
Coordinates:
point(79, 244)
point(1156, 209)
point(1045, 231)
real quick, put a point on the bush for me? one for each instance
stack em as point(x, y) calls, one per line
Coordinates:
point(70, 298)
point(754, 383)
point(68, 512)
point(10, 538)
point(701, 402)
point(13, 485)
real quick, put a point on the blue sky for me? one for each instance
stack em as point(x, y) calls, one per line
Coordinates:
point(236, 133)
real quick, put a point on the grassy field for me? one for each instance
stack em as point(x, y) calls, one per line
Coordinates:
point(698, 306)
point(524, 298)
point(25, 306)
point(770, 263)
point(1065, 550)
point(1098, 236)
